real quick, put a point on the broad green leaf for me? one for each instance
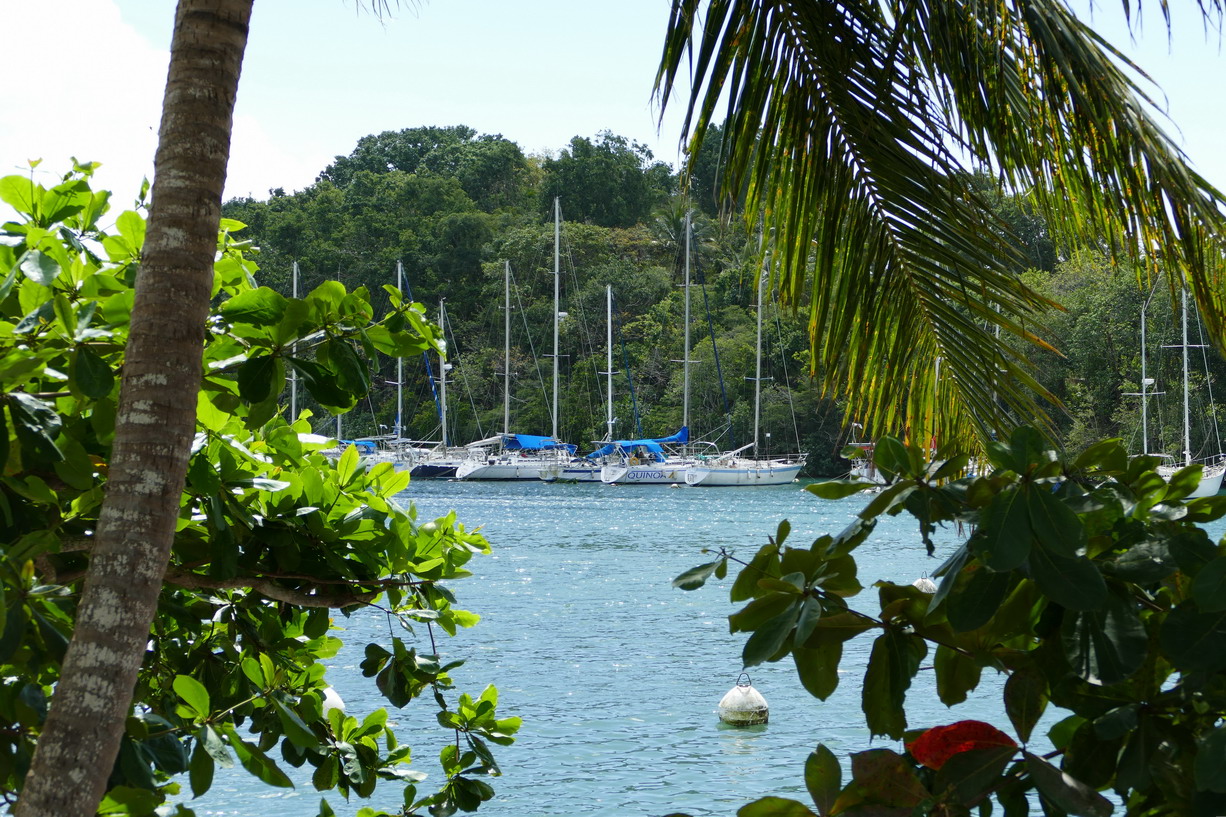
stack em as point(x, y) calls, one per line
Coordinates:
point(1209, 586)
point(1068, 794)
point(40, 267)
point(957, 674)
point(1103, 456)
point(255, 761)
point(193, 693)
point(1106, 645)
point(259, 377)
point(818, 667)
point(887, 779)
point(1025, 700)
point(1210, 766)
point(775, 807)
point(972, 773)
point(200, 772)
point(893, 459)
point(810, 615)
point(20, 193)
point(1053, 523)
point(976, 597)
point(92, 374)
point(36, 425)
point(1194, 640)
point(257, 307)
point(129, 800)
point(1004, 540)
point(294, 727)
point(696, 577)
point(351, 371)
point(892, 664)
point(770, 638)
point(1073, 583)
point(838, 488)
point(823, 778)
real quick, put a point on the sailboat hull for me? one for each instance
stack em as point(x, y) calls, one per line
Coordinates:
point(665, 473)
point(1210, 479)
point(744, 473)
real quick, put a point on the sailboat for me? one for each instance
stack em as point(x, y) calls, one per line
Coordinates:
point(648, 461)
point(587, 469)
point(522, 456)
point(441, 461)
point(1212, 470)
point(734, 469)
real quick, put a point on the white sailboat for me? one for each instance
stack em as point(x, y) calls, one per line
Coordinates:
point(734, 469)
point(647, 461)
point(511, 456)
point(1214, 468)
point(587, 469)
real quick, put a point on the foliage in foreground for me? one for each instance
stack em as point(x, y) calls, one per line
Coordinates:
point(1087, 581)
point(272, 534)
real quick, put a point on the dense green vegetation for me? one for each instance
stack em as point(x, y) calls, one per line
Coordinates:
point(273, 538)
point(454, 206)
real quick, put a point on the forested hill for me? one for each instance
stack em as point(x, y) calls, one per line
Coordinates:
point(454, 206)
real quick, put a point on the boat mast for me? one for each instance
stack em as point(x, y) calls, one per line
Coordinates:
point(757, 379)
point(506, 351)
point(399, 364)
point(1187, 422)
point(609, 347)
point(557, 279)
point(293, 373)
point(685, 362)
point(442, 375)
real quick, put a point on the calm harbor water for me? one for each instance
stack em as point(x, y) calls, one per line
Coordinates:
point(616, 674)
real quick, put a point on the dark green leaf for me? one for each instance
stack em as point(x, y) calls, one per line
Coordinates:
point(1053, 523)
point(258, 378)
point(1194, 640)
point(957, 674)
point(972, 773)
point(774, 807)
point(92, 375)
point(770, 637)
point(1070, 795)
point(893, 662)
point(1003, 541)
point(1209, 586)
point(818, 667)
point(1106, 645)
point(696, 577)
point(1073, 583)
point(975, 598)
point(1025, 699)
point(200, 773)
point(823, 778)
point(1211, 761)
point(838, 488)
point(36, 425)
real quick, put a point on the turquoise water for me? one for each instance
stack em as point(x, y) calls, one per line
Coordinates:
point(616, 674)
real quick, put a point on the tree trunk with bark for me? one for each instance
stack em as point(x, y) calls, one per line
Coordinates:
point(156, 418)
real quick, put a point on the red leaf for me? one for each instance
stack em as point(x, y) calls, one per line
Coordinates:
point(937, 745)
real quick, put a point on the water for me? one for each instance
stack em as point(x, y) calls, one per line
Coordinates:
point(616, 674)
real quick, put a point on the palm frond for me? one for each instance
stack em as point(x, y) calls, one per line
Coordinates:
point(856, 125)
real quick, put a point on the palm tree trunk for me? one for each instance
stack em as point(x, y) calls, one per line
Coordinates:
point(156, 419)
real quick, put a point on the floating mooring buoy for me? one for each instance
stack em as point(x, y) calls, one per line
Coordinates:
point(332, 700)
point(925, 585)
point(743, 705)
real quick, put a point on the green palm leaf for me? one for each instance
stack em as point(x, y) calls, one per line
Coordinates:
point(855, 126)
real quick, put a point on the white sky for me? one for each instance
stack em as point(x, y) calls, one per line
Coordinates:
point(85, 78)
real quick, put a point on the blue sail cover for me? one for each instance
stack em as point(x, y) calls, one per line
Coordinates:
point(533, 442)
point(653, 446)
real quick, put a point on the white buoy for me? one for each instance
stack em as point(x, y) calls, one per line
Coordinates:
point(925, 585)
point(332, 700)
point(743, 705)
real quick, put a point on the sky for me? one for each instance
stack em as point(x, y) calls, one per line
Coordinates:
point(84, 78)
